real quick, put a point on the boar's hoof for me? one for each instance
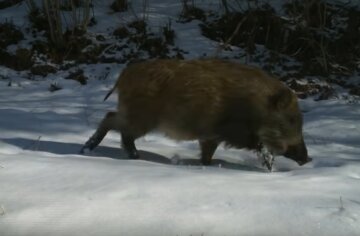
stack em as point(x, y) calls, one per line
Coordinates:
point(206, 162)
point(301, 163)
point(90, 144)
point(133, 154)
point(268, 163)
point(266, 155)
point(82, 150)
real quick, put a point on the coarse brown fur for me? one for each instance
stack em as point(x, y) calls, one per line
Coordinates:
point(210, 100)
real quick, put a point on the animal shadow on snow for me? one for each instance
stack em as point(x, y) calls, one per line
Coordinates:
point(61, 148)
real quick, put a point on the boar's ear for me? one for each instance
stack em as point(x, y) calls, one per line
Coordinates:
point(282, 99)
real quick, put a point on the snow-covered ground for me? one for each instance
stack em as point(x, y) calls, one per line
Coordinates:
point(47, 188)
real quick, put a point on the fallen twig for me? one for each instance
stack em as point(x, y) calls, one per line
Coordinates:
point(227, 42)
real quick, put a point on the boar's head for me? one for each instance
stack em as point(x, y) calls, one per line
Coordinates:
point(281, 131)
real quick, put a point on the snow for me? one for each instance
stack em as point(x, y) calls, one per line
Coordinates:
point(48, 188)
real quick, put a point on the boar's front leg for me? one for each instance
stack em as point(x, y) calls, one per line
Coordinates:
point(266, 155)
point(208, 148)
point(107, 124)
point(128, 143)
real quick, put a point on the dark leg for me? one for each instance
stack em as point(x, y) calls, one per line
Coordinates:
point(108, 123)
point(128, 143)
point(208, 148)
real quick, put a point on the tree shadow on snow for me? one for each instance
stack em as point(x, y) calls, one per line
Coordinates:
point(61, 148)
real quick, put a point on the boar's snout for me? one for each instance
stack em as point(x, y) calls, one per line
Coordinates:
point(298, 153)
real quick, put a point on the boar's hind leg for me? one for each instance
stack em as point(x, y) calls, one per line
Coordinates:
point(107, 124)
point(208, 148)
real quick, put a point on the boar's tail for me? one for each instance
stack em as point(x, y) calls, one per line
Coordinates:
point(111, 91)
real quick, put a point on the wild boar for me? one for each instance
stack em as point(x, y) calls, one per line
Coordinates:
point(209, 100)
